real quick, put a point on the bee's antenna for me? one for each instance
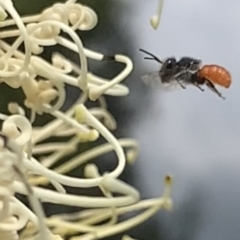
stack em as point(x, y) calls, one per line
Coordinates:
point(153, 57)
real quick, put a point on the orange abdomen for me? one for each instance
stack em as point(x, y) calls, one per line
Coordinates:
point(216, 74)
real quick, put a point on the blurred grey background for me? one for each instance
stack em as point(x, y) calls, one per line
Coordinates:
point(193, 135)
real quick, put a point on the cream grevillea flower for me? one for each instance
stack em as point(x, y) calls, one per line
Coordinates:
point(23, 169)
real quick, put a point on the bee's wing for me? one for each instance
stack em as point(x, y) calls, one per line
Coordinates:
point(153, 79)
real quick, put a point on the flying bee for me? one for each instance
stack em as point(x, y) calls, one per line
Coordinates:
point(172, 72)
point(187, 71)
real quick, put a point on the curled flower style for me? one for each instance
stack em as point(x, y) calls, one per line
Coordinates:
point(155, 19)
point(29, 157)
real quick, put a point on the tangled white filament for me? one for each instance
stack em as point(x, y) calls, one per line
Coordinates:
point(26, 162)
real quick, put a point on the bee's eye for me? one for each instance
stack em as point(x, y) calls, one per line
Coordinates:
point(170, 63)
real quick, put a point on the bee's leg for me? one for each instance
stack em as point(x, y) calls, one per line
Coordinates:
point(179, 77)
point(196, 81)
point(183, 87)
point(195, 84)
point(212, 87)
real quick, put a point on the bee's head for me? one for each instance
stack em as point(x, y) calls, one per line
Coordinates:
point(169, 66)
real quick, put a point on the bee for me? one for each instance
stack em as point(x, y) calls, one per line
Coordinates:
point(187, 71)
